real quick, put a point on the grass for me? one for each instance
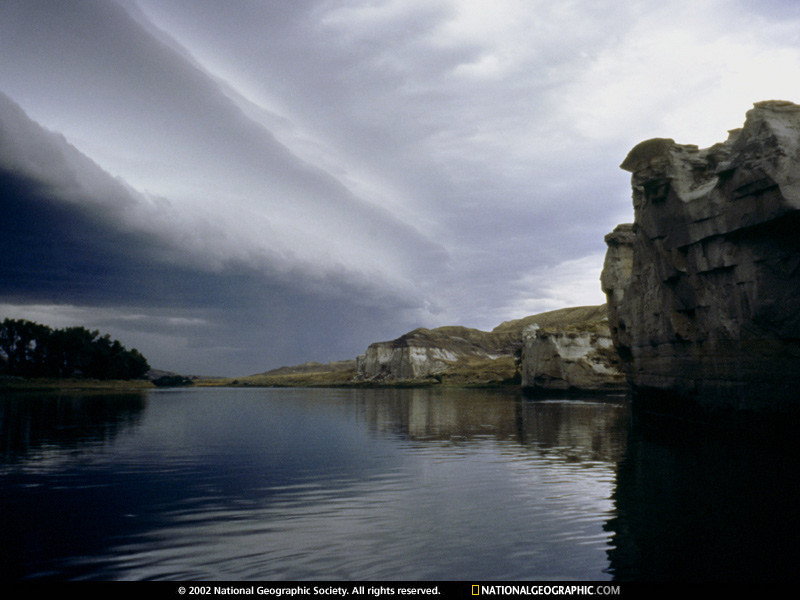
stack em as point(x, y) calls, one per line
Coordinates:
point(468, 371)
point(112, 385)
point(322, 378)
point(578, 318)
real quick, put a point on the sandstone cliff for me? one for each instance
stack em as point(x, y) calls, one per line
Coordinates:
point(704, 288)
point(463, 355)
point(445, 352)
point(581, 358)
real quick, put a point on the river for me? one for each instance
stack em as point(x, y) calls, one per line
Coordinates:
point(384, 484)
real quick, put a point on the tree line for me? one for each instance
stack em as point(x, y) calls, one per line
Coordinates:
point(29, 349)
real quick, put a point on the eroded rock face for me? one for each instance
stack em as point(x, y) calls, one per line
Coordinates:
point(616, 276)
point(462, 355)
point(704, 288)
point(383, 361)
point(582, 360)
point(424, 354)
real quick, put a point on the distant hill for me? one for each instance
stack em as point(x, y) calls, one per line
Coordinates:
point(310, 367)
point(449, 354)
point(308, 374)
point(460, 355)
point(563, 319)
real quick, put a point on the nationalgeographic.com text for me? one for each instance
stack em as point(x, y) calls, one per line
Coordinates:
point(545, 590)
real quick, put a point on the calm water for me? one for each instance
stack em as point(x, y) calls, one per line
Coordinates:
point(291, 484)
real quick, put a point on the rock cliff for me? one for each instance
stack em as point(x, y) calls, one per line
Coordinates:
point(569, 357)
point(704, 287)
point(579, 359)
point(434, 354)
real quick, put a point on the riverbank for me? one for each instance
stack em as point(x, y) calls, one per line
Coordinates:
point(34, 384)
point(310, 380)
point(465, 373)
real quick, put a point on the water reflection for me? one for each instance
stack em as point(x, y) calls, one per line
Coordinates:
point(387, 484)
point(713, 502)
point(592, 430)
point(49, 508)
point(32, 420)
point(308, 484)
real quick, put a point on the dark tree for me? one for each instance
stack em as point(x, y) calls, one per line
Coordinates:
point(23, 347)
point(29, 349)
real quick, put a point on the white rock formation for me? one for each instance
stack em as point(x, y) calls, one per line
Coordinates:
point(570, 360)
point(577, 346)
point(384, 361)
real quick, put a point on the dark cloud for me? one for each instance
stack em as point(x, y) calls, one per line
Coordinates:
point(60, 246)
point(232, 321)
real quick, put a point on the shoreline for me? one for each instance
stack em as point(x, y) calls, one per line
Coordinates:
point(47, 384)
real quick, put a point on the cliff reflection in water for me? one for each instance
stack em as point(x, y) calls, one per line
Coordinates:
point(580, 430)
point(692, 502)
point(706, 503)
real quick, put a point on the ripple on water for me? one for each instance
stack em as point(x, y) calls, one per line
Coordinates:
point(340, 488)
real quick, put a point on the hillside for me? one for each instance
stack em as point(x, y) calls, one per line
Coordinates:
point(460, 355)
point(451, 354)
point(562, 319)
point(308, 374)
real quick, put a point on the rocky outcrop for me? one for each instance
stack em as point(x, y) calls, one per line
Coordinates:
point(616, 275)
point(704, 288)
point(425, 354)
point(392, 360)
point(579, 359)
point(575, 353)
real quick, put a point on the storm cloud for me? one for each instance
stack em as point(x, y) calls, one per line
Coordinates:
point(236, 186)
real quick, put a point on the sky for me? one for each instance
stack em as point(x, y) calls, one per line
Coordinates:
point(233, 187)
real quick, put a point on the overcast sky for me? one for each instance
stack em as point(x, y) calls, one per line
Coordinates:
point(235, 186)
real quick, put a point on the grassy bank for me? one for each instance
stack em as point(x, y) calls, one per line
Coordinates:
point(111, 385)
point(311, 379)
point(466, 372)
